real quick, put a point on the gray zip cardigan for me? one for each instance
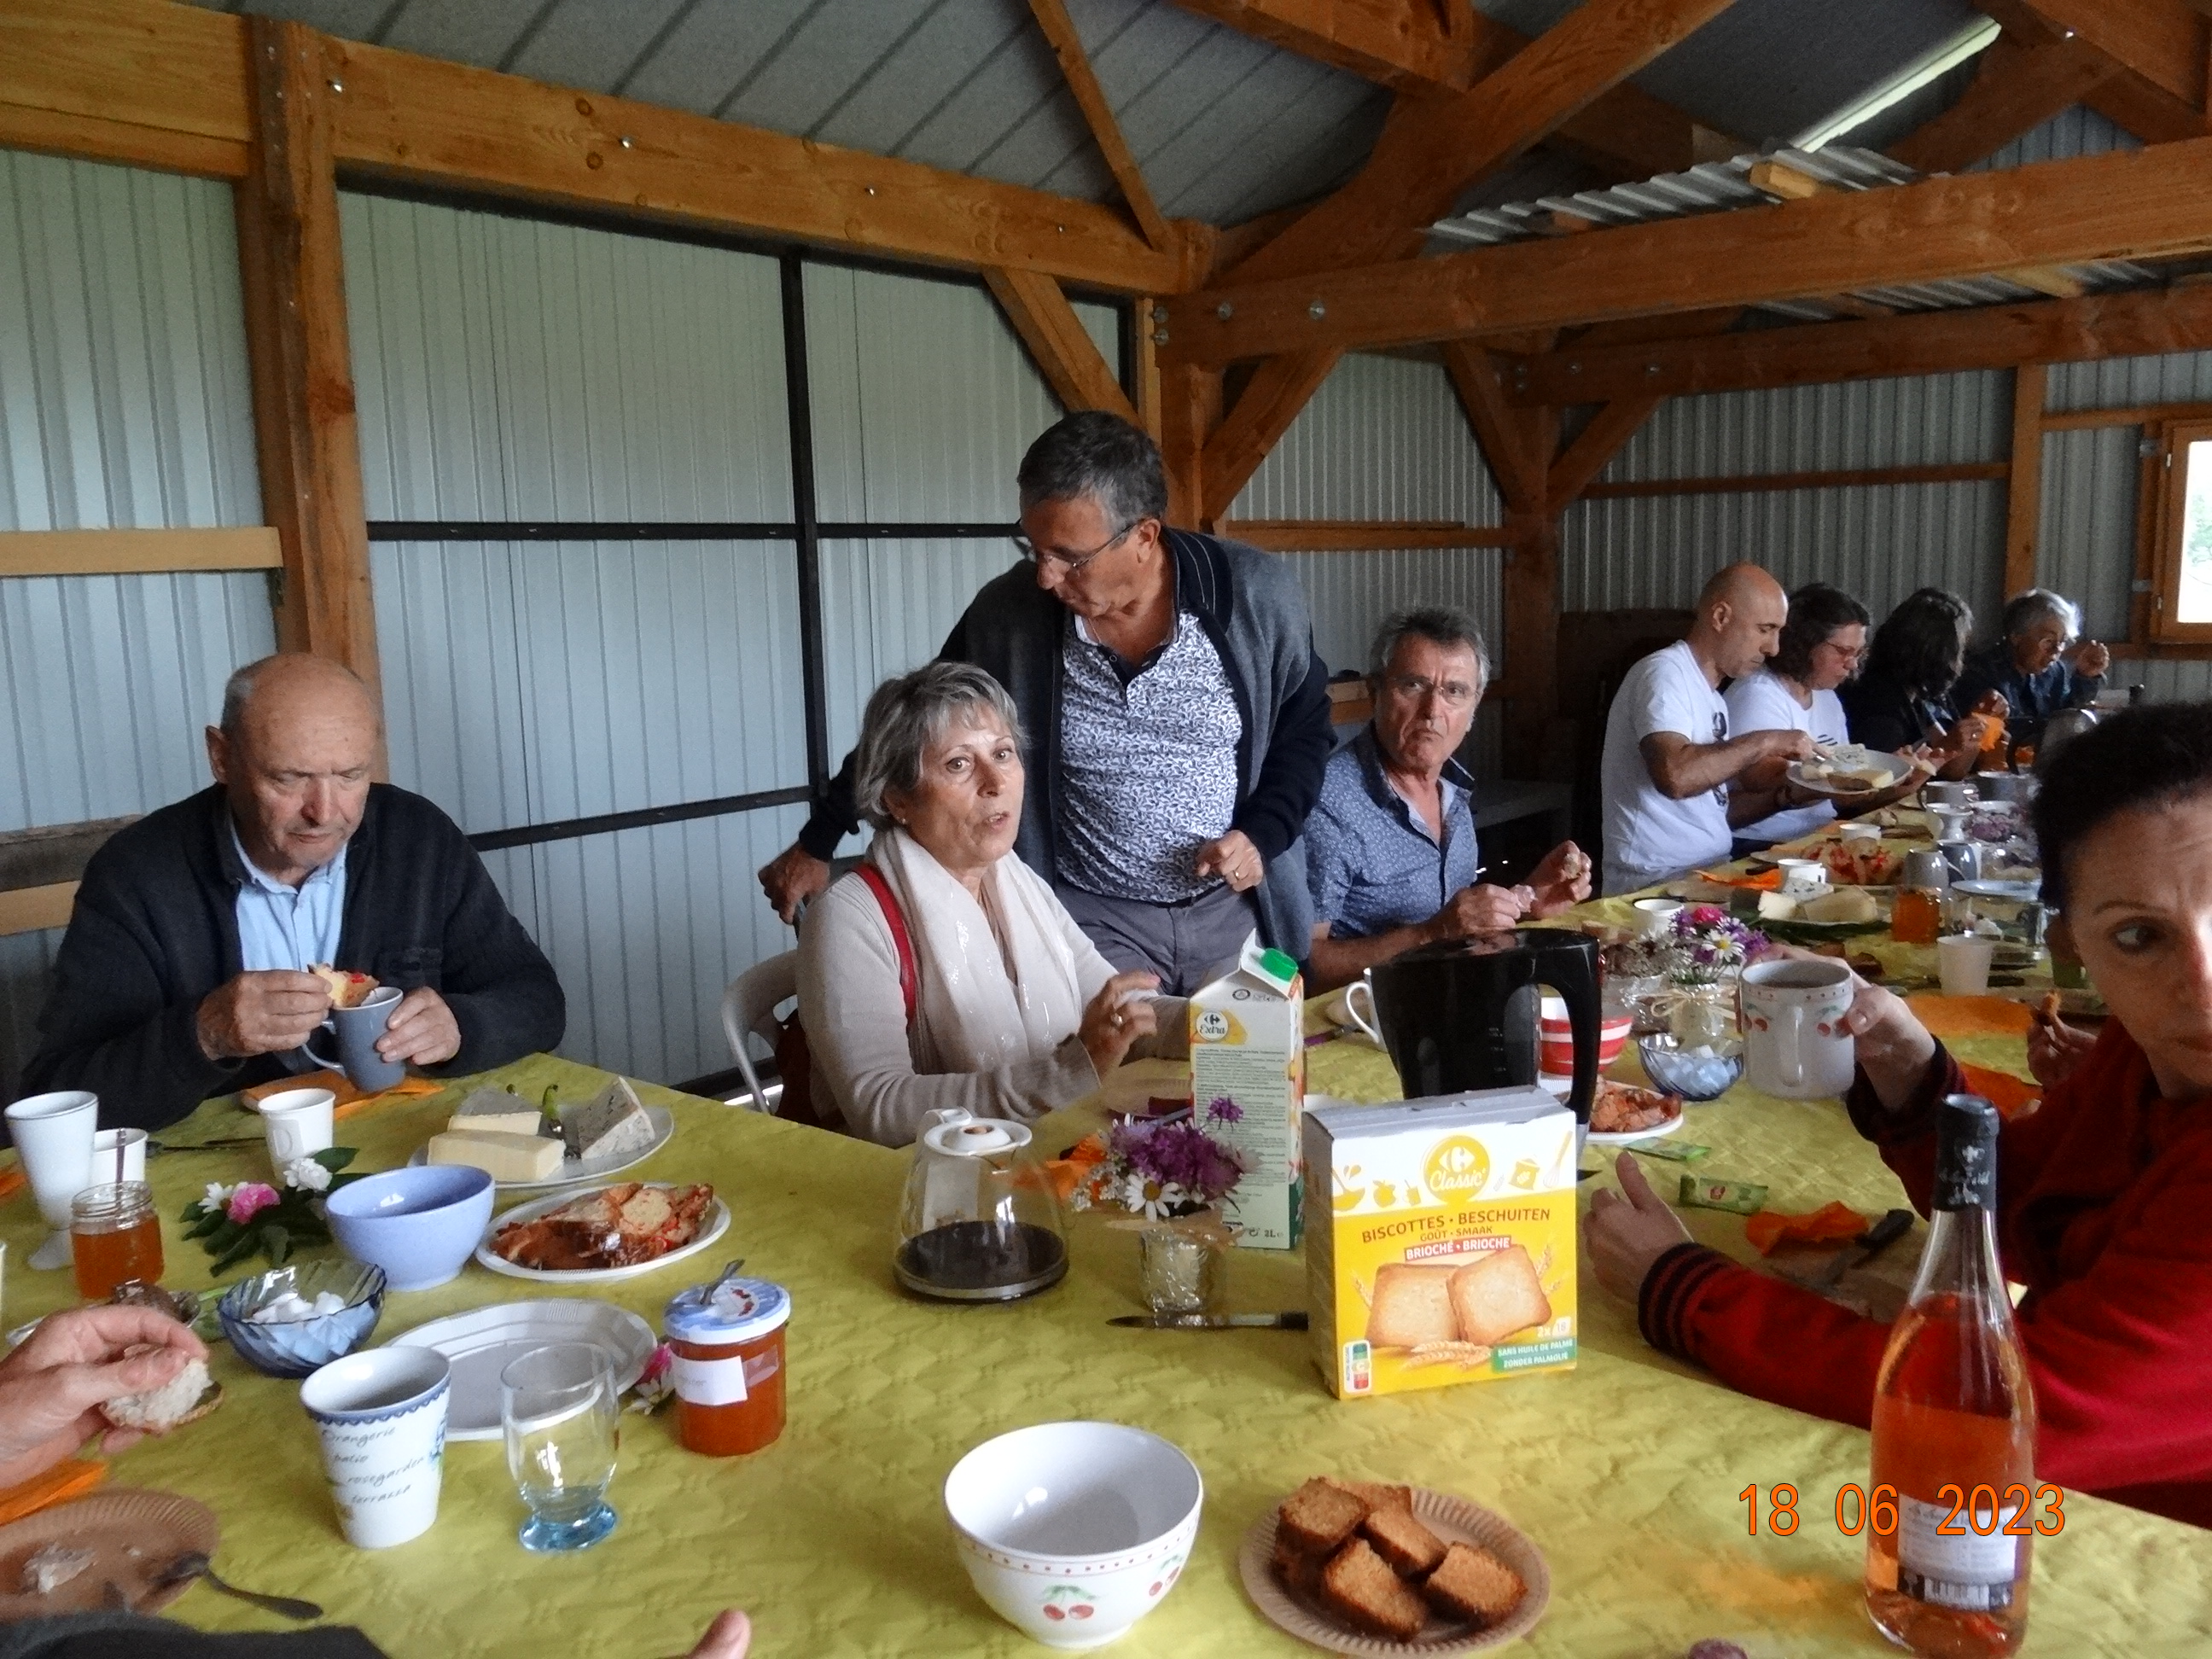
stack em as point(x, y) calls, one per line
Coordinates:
point(1253, 608)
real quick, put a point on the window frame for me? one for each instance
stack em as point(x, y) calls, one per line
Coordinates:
point(2174, 439)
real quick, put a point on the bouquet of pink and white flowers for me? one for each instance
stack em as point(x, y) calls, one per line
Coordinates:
point(232, 1222)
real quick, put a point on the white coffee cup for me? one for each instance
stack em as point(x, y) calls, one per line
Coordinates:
point(298, 1122)
point(1654, 916)
point(53, 1136)
point(1358, 991)
point(1795, 1042)
point(1858, 829)
point(381, 1415)
point(1963, 961)
point(1801, 876)
point(133, 1143)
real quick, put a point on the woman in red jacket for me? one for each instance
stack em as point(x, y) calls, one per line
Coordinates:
point(2105, 1193)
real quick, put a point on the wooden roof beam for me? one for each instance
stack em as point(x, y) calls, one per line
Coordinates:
point(1057, 342)
point(1105, 132)
point(2017, 86)
point(2157, 49)
point(1433, 147)
point(2141, 204)
point(1924, 343)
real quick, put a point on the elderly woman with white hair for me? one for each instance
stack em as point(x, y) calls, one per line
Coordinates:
point(944, 972)
point(2040, 665)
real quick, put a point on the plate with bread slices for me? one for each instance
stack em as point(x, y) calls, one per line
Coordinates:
point(1849, 771)
point(607, 1234)
point(1362, 1566)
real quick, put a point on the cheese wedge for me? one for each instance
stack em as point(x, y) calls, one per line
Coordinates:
point(496, 1110)
point(1777, 907)
point(612, 1123)
point(503, 1156)
point(1845, 904)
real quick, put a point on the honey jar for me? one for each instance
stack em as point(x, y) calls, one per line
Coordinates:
point(726, 1345)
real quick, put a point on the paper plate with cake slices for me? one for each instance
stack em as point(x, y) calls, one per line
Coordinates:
point(609, 1233)
point(1496, 1554)
point(507, 1135)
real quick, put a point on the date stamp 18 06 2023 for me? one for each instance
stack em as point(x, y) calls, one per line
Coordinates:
point(1980, 1510)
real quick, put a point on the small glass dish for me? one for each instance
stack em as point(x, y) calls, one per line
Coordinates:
point(1693, 1073)
point(294, 1347)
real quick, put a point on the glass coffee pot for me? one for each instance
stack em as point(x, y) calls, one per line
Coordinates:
point(978, 1221)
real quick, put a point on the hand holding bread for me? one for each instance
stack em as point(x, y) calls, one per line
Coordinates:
point(53, 1389)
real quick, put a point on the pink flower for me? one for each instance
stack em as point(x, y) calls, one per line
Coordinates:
point(250, 1199)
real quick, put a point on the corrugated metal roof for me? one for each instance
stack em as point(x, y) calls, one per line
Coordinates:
point(1726, 186)
point(1222, 126)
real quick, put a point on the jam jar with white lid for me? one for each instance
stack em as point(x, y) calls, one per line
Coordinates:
point(726, 1346)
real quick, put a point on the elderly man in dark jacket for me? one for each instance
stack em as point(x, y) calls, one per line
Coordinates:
point(183, 973)
point(1178, 716)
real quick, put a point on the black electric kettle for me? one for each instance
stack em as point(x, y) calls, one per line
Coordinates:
point(1462, 1014)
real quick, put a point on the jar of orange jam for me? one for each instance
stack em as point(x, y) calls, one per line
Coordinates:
point(726, 1343)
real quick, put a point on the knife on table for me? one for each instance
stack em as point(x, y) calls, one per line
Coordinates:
point(1294, 1320)
point(1872, 1242)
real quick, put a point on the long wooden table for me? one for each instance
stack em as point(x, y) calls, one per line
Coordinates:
point(1626, 1472)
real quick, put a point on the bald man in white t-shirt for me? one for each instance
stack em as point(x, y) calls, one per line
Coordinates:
point(1672, 776)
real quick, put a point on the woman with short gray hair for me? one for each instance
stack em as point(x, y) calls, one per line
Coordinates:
point(944, 972)
point(2037, 666)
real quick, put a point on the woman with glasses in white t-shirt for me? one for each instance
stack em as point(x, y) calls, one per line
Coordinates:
point(1822, 645)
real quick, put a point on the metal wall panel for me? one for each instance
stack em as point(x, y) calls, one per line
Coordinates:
point(2087, 542)
point(2185, 680)
point(1926, 420)
point(511, 369)
point(1879, 541)
point(123, 403)
point(2179, 377)
point(924, 399)
point(2076, 132)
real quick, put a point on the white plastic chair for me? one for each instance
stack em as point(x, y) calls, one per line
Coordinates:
point(749, 1010)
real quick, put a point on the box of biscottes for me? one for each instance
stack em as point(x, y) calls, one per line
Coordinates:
point(1248, 1045)
point(1440, 1240)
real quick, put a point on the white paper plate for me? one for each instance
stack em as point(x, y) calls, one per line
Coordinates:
point(1898, 765)
point(483, 1340)
point(575, 1170)
point(1629, 1137)
point(716, 1224)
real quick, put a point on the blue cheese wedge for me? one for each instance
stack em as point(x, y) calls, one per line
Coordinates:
point(612, 1124)
point(500, 1110)
point(501, 1156)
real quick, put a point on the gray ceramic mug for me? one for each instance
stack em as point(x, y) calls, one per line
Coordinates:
point(357, 1029)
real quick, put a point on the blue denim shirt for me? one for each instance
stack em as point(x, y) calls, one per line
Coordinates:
point(286, 927)
point(1370, 861)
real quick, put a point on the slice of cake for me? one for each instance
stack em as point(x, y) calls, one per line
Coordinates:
point(1377, 1494)
point(500, 1110)
point(612, 1124)
point(1474, 1584)
point(1359, 1586)
point(1411, 1548)
point(1319, 1517)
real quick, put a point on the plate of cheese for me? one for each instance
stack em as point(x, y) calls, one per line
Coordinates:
point(1849, 769)
point(520, 1147)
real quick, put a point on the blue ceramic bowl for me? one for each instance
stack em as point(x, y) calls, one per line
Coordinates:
point(420, 1225)
point(294, 1347)
point(1693, 1077)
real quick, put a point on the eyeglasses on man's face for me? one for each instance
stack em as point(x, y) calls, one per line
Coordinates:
point(1070, 562)
point(1417, 688)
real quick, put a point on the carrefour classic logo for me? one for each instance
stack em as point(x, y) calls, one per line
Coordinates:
point(1459, 1166)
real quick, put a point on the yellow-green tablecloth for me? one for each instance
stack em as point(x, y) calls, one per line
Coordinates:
point(1626, 1472)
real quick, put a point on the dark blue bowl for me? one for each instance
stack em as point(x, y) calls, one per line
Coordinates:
point(1693, 1077)
point(294, 1347)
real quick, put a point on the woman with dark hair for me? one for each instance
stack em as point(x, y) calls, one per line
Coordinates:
point(2102, 1191)
point(1902, 699)
point(1821, 646)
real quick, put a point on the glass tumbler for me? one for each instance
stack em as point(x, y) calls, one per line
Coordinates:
point(562, 1421)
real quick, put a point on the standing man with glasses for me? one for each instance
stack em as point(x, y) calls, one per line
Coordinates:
point(1390, 849)
point(1178, 716)
point(1822, 647)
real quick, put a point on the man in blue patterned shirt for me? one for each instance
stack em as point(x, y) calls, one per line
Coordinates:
point(1390, 847)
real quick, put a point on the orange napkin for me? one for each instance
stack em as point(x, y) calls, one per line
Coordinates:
point(1770, 882)
point(1066, 1174)
point(71, 1478)
point(11, 1180)
point(350, 1099)
point(1964, 1016)
point(1831, 1223)
point(2013, 1097)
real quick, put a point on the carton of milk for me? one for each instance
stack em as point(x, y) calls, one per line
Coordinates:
point(1248, 1045)
point(1440, 1240)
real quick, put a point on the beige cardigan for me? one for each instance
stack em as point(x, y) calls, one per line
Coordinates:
point(882, 1077)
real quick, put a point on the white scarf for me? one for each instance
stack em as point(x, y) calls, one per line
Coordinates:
point(976, 1015)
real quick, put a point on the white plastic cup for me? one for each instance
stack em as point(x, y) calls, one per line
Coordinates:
point(1802, 876)
point(1859, 830)
point(381, 1415)
point(53, 1134)
point(133, 1143)
point(298, 1122)
point(1654, 916)
point(1963, 961)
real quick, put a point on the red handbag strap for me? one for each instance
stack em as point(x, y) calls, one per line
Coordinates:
point(893, 914)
